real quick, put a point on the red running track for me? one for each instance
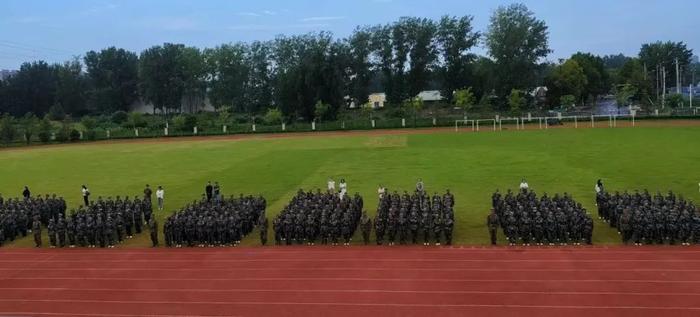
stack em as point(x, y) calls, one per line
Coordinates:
point(352, 281)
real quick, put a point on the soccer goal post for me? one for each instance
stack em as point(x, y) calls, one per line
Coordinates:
point(507, 120)
point(493, 121)
point(465, 123)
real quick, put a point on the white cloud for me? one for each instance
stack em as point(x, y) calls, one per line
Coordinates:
point(268, 12)
point(269, 27)
point(248, 14)
point(100, 8)
point(326, 18)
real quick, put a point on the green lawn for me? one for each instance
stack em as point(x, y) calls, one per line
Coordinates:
point(472, 165)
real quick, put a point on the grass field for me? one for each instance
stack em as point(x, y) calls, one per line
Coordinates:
point(471, 165)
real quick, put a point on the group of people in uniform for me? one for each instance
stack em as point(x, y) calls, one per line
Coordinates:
point(214, 221)
point(641, 218)
point(103, 223)
point(19, 216)
point(327, 217)
point(414, 216)
point(527, 219)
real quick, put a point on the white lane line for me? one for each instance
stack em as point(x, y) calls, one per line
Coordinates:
point(351, 304)
point(572, 260)
point(391, 269)
point(355, 279)
point(258, 290)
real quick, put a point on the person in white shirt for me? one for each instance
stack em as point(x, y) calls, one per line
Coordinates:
point(381, 191)
point(86, 195)
point(160, 195)
point(331, 185)
point(420, 187)
point(598, 187)
point(343, 186)
point(524, 186)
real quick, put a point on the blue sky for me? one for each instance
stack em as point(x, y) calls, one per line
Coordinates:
point(56, 30)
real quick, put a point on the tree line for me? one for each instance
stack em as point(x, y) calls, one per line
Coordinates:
point(312, 76)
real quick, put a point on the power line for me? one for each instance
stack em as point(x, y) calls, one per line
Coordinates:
point(35, 47)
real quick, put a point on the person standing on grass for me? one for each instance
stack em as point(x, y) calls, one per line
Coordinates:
point(208, 190)
point(147, 193)
point(331, 185)
point(381, 191)
point(492, 223)
point(26, 193)
point(343, 187)
point(153, 227)
point(160, 195)
point(420, 187)
point(366, 227)
point(524, 187)
point(217, 192)
point(36, 229)
point(86, 195)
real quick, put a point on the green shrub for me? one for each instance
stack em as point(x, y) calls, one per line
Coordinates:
point(74, 135)
point(119, 117)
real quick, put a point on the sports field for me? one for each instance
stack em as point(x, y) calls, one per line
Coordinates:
point(472, 165)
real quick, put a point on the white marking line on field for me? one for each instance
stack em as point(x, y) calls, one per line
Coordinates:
point(342, 269)
point(258, 290)
point(350, 279)
point(347, 304)
point(363, 260)
point(2, 313)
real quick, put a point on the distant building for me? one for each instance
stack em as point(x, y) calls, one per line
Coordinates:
point(198, 106)
point(430, 95)
point(6, 73)
point(377, 100)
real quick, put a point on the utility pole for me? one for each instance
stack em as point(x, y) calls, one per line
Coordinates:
point(678, 78)
point(663, 87)
point(690, 95)
point(657, 82)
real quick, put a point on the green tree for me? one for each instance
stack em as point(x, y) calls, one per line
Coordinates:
point(260, 76)
point(161, 76)
point(31, 89)
point(136, 120)
point(567, 101)
point(675, 101)
point(455, 38)
point(273, 116)
point(464, 98)
point(516, 101)
point(112, 80)
point(597, 77)
point(664, 54)
point(44, 130)
point(29, 125)
point(89, 123)
point(320, 110)
point(415, 105)
point(624, 94)
point(229, 73)
point(71, 86)
point(193, 75)
point(8, 130)
point(516, 40)
point(360, 50)
point(566, 79)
